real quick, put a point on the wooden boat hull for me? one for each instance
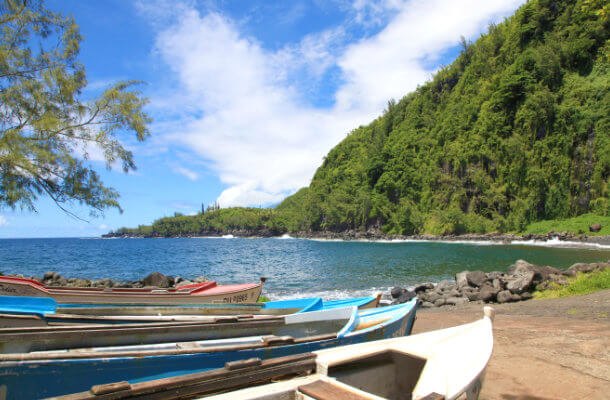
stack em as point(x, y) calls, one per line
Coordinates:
point(34, 378)
point(202, 293)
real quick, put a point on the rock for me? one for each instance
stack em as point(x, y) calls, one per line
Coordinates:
point(178, 279)
point(56, 276)
point(488, 293)
point(423, 287)
point(526, 296)
point(460, 279)
point(595, 228)
point(445, 285)
point(520, 283)
point(495, 275)
point(200, 279)
point(476, 278)
point(431, 297)
point(156, 279)
point(586, 268)
point(439, 302)
point(396, 292)
point(515, 297)
point(520, 267)
point(497, 284)
point(504, 296)
point(473, 296)
point(426, 304)
point(454, 301)
point(77, 282)
point(405, 296)
point(48, 275)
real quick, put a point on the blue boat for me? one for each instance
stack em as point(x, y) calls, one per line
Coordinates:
point(36, 375)
point(22, 311)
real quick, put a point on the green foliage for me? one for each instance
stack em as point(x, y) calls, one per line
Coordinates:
point(576, 225)
point(249, 221)
point(515, 131)
point(578, 285)
point(46, 130)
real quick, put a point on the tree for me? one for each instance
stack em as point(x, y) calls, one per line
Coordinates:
point(47, 130)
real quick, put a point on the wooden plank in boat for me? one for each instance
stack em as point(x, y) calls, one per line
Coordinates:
point(322, 390)
point(202, 383)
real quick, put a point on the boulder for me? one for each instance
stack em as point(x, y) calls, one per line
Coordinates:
point(445, 285)
point(520, 267)
point(439, 302)
point(520, 283)
point(498, 284)
point(396, 292)
point(595, 228)
point(405, 296)
point(455, 301)
point(460, 279)
point(586, 268)
point(201, 279)
point(526, 296)
point(431, 296)
point(426, 304)
point(504, 296)
point(48, 275)
point(488, 293)
point(495, 275)
point(476, 278)
point(156, 279)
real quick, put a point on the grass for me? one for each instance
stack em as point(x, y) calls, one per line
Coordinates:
point(263, 299)
point(578, 285)
point(576, 225)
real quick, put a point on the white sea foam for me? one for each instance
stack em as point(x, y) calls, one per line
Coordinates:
point(228, 236)
point(285, 236)
point(336, 294)
point(554, 242)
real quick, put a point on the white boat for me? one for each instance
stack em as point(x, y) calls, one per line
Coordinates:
point(442, 364)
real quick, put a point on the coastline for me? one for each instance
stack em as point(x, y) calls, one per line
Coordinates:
point(551, 238)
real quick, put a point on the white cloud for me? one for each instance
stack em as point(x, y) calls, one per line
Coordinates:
point(247, 115)
point(191, 175)
point(3, 220)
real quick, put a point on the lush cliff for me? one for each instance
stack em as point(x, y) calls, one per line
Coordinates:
point(516, 130)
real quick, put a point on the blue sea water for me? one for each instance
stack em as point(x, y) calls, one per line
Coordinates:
point(295, 267)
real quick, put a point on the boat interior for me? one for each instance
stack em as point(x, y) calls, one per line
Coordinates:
point(139, 337)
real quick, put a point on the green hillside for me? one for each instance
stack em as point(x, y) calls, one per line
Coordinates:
point(516, 130)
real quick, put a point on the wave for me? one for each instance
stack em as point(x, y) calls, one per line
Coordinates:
point(554, 242)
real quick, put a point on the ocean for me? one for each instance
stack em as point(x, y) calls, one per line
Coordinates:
point(294, 267)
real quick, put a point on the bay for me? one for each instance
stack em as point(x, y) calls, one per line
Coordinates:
point(295, 267)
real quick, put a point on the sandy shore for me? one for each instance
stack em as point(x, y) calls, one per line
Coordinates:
point(543, 349)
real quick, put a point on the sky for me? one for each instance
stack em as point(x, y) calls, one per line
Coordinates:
point(247, 97)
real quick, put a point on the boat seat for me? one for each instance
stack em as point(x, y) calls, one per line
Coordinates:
point(322, 390)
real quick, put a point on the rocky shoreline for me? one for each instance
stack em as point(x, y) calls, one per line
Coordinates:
point(155, 279)
point(380, 236)
point(517, 284)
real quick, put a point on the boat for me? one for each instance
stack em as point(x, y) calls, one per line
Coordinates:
point(204, 292)
point(51, 373)
point(21, 311)
point(443, 364)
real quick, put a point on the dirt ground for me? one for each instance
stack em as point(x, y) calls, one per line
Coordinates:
point(543, 349)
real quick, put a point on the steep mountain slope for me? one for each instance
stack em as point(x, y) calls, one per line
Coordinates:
point(516, 130)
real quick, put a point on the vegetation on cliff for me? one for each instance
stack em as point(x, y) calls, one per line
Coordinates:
point(516, 130)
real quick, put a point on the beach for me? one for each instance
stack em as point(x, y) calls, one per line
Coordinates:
point(543, 349)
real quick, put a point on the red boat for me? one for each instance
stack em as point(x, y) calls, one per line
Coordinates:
point(196, 293)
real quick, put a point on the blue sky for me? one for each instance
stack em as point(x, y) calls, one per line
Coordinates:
point(248, 96)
